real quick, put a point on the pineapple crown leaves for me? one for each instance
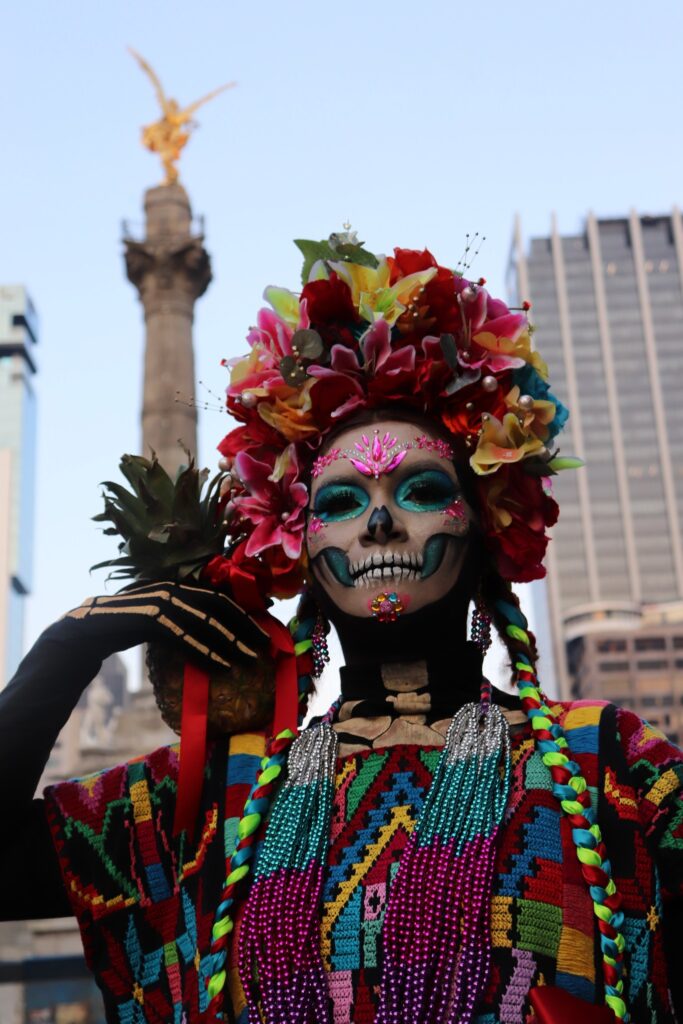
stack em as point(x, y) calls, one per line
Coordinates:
point(169, 528)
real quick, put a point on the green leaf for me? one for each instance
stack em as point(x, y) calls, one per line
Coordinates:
point(566, 462)
point(130, 505)
point(462, 380)
point(308, 342)
point(312, 252)
point(450, 350)
point(356, 254)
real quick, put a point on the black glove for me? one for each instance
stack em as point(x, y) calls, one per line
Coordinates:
point(200, 621)
point(37, 702)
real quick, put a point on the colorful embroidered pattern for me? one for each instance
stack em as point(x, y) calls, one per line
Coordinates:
point(543, 927)
point(146, 903)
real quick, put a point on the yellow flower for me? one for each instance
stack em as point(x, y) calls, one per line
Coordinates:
point(253, 363)
point(285, 304)
point(519, 349)
point(502, 444)
point(371, 293)
point(535, 418)
point(288, 410)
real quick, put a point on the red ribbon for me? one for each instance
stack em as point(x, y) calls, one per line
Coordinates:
point(192, 747)
point(553, 1005)
point(195, 711)
point(286, 675)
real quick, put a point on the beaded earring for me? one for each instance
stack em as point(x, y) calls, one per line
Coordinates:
point(320, 650)
point(481, 625)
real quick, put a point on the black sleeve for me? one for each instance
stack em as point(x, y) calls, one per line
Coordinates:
point(34, 707)
point(31, 884)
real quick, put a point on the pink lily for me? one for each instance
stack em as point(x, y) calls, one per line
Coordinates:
point(275, 503)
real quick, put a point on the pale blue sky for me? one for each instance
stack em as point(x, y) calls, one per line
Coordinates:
point(418, 122)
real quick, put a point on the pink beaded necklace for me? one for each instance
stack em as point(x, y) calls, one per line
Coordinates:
point(437, 948)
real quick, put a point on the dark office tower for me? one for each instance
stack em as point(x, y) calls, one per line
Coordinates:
point(608, 309)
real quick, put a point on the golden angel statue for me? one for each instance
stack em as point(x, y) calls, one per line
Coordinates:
point(170, 133)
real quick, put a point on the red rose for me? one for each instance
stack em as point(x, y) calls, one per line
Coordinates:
point(247, 579)
point(409, 261)
point(518, 548)
point(256, 434)
point(286, 573)
point(438, 303)
point(329, 302)
point(462, 421)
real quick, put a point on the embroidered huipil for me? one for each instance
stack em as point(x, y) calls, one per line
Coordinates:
point(145, 901)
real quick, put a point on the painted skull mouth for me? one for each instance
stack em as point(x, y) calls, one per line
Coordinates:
point(387, 566)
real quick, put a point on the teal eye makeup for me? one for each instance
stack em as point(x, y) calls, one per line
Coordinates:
point(428, 490)
point(336, 502)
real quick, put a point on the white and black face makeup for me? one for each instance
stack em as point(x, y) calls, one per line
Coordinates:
point(387, 523)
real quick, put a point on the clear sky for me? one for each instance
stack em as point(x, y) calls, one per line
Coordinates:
point(418, 122)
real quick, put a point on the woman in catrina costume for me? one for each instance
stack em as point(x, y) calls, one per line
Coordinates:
point(433, 849)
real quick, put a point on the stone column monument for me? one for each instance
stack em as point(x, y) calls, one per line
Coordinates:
point(170, 268)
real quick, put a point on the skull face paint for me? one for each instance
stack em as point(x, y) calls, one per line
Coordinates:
point(402, 530)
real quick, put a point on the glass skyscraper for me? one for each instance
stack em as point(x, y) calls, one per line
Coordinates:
point(18, 340)
point(608, 309)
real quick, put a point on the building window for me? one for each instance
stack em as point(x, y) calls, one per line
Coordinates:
point(611, 646)
point(653, 664)
point(613, 666)
point(678, 642)
point(648, 701)
point(650, 643)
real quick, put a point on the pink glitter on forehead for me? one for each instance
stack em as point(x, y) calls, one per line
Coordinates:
point(429, 444)
point(381, 454)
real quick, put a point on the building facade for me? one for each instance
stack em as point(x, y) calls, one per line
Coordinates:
point(18, 341)
point(608, 309)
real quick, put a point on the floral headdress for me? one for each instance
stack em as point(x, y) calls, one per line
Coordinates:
point(366, 332)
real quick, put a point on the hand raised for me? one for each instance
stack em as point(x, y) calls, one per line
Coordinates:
point(200, 620)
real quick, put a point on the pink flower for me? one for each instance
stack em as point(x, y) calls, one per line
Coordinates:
point(380, 358)
point(275, 503)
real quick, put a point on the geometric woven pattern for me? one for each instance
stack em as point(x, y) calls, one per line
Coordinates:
point(542, 920)
point(145, 901)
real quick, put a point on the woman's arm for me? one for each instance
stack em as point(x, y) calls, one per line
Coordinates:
point(38, 701)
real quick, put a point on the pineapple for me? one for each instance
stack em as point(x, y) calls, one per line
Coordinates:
point(170, 529)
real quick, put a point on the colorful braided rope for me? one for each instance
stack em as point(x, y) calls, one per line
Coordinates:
point(255, 809)
point(570, 788)
point(255, 812)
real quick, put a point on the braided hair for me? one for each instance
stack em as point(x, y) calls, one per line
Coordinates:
point(569, 784)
